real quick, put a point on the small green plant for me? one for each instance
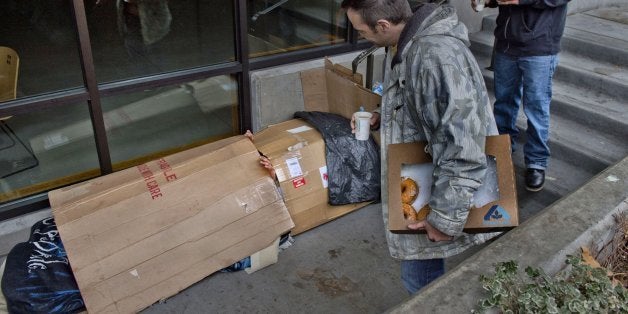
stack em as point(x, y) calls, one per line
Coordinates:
point(580, 289)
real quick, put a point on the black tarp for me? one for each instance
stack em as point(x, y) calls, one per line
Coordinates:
point(37, 277)
point(353, 166)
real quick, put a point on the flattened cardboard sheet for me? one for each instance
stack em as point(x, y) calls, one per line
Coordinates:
point(145, 233)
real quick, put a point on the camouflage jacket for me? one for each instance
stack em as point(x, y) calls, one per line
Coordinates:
point(434, 71)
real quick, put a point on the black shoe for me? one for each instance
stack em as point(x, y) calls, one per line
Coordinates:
point(535, 178)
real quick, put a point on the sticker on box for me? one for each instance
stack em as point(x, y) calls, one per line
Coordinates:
point(324, 177)
point(294, 168)
point(300, 129)
point(496, 215)
point(298, 182)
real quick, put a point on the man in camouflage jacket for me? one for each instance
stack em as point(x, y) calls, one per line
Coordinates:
point(434, 92)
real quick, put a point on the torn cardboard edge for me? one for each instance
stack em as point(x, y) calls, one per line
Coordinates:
point(264, 258)
point(501, 214)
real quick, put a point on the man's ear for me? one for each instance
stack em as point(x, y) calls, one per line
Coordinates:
point(383, 25)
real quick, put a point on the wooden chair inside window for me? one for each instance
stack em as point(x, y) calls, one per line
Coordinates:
point(9, 68)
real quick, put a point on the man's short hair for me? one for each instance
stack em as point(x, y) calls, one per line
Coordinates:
point(394, 11)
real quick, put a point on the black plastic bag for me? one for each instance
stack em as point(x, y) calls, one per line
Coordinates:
point(37, 276)
point(353, 166)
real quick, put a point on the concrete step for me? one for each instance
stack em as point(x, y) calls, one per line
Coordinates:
point(598, 34)
point(573, 142)
point(593, 109)
point(597, 75)
point(561, 179)
point(580, 145)
point(603, 77)
point(598, 142)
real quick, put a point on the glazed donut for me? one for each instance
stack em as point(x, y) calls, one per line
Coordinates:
point(408, 212)
point(423, 212)
point(409, 190)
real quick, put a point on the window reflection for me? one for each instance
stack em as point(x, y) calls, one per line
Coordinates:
point(132, 38)
point(144, 125)
point(283, 25)
point(43, 150)
point(43, 34)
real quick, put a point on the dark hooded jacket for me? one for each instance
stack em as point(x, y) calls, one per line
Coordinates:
point(532, 28)
point(434, 72)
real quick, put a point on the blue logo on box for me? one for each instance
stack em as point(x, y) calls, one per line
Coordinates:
point(496, 215)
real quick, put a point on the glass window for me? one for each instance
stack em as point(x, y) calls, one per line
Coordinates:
point(282, 25)
point(144, 125)
point(43, 35)
point(132, 38)
point(43, 150)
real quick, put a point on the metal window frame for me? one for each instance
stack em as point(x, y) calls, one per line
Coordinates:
point(92, 92)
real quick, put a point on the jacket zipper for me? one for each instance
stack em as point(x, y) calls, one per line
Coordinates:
point(506, 29)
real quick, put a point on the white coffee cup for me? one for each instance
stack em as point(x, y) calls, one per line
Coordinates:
point(362, 121)
point(479, 5)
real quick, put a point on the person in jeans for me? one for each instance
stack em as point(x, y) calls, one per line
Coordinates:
point(433, 91)
point(527, 43)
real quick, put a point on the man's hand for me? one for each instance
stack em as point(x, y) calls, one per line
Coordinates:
point(507, 2)
point(432, 233)
point(263, 160)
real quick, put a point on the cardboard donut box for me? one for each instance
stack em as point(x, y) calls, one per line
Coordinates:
point(500, 213)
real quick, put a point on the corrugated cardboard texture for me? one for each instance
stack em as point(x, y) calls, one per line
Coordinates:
point(145, 233)
point(479, 219)
point(297, 144)
point(331, 90)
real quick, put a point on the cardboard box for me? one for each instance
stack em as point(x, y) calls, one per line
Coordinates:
point(143, 234)
point(498, 196)
point(297, 151)
point(335, 89)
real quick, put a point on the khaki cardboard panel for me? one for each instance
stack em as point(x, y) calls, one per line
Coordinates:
point(118, 225)
point(137, 236)
point(305, 160)
point(345, 96)
point(194, 274)
point(79, 200)
point(484, 219)
point(336, 90)
point(308, 219)
point(167, 266)
point(314, 90)
point(120, 246)
point(334, 212)
point(306, 202)
point(306, 196)
point(306, 184)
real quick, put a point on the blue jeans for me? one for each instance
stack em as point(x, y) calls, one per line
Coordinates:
point(417, 273)
point(528, 79)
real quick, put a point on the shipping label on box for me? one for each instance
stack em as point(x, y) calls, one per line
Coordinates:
point(143, 234)
point(494, 204)
point(297, 153)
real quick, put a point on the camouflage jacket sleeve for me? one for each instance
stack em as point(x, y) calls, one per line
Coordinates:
point(456, 139)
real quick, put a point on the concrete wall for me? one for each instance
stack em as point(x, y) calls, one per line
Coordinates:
point(276, 93)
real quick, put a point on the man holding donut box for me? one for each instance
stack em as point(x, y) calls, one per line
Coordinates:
point(434, 92)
